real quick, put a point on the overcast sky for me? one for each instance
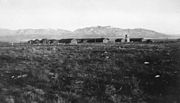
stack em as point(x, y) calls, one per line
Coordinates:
point(160, 15)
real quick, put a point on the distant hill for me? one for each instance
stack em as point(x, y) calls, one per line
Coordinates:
point(88, 32)
point(107, 31)
point(27, 34)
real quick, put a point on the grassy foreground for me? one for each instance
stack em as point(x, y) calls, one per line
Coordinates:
point(98, 73)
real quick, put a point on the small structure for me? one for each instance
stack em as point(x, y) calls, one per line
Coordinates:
point(80, 41)
point(112, 40)
point(12, 43)
point(73, 41)
point(105, 40)
point(53, 41)
point(118, 40)
point(44, 41)
point(127, 38)
point(36, 41)
point(30, 42)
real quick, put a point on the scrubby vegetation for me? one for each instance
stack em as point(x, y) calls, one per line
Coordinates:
point(95, 73)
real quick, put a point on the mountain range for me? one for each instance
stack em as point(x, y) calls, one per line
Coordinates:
point(7, 35)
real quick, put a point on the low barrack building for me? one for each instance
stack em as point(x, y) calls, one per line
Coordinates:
point(136, 39)
point(93, 40)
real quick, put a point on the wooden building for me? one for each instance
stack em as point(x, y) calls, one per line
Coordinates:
point(65, 41)
point(92, 40)
point(36, 41)
point(53, 42)
point(118, 40)
point(44, 41)
point(136, 39)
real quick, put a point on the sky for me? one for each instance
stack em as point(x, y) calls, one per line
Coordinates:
point(159, 15)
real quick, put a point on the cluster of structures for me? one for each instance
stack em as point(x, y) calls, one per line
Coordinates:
point(84, 40)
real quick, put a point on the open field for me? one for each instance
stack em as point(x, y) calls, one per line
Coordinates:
point(91, 73)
